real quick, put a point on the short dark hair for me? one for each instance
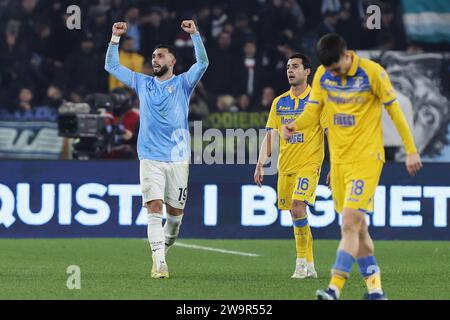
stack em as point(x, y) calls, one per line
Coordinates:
point(330, 48)
point(169, 48)
point(306, 61)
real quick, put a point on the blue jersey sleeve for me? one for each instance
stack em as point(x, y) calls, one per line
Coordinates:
point(197, 70)
point(113, 66)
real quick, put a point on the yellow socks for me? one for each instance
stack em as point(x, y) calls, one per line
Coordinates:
point(302, 233)
point(337, 283)
point(371, 273)
point(309, 252)
point(374, 283)
point(341, 271)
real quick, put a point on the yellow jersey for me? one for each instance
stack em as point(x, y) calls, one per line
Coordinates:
point(353, 104)
point(306, 145)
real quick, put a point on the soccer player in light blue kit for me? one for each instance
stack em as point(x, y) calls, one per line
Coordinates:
point(164, 140)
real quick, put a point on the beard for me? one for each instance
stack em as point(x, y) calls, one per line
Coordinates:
point(296, 82)
point(162, 71)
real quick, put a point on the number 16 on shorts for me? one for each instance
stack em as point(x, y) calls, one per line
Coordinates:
point(303, 184)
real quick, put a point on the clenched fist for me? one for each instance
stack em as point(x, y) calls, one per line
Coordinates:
point(119, 28)
point(189, 26)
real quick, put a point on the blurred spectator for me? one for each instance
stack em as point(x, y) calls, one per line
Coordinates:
point(219, 77)
point(267, 97)
point(349, 25)
point(98, 28)
point(330, 19)
point(243, 102)
point(228, 27)
point(203, 19)
point(82, 68)
point(77, 95)
point(219, 18)
point(67, 41)
point(54, 97)
point(128, 58)
point(154, 31)
point(330, 6)
point(3, 9)
point(275, 18)
point(134, 31)
point(115, 11)
point(226, 103)
point(25, 100)
point(294, 7)
point(391, 36)
point(198, 107)
point(42, 42)
point(277, 65)
point(414, 47)
point(249, 75)
point(13, 47)
point(242, 31)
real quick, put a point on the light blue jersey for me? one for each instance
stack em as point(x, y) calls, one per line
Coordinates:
point(164, 105)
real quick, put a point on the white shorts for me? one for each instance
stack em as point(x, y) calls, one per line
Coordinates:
point(165, 181)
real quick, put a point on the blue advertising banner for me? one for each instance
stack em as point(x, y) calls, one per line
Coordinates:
point(102, 199)
point(30, 135)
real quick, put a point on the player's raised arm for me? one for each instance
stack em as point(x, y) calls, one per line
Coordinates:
point(385, 92)
point(201, 64)
point(112, 64)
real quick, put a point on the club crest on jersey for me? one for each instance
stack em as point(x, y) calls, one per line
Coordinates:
point(358, 81)
point(169, 89)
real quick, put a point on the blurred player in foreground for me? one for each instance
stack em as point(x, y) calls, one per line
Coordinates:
point(163, 140)
point(353, 91)
point(299, 161)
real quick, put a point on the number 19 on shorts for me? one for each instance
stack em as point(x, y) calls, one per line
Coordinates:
point(183, 194)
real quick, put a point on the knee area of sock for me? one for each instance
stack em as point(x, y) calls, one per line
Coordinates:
point(174, 218)
point(298, 210)
point(154, 218)
point(298, 214)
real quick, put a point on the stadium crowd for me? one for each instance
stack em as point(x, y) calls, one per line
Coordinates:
point(42, 62)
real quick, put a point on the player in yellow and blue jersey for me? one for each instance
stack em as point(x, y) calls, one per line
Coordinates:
point(353, 91)
point(299, 162)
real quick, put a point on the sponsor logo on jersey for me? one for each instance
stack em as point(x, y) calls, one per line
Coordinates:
point(287, 120)
point(346, 100)
point(296, 138)
point(329, 82)
point(344, 120)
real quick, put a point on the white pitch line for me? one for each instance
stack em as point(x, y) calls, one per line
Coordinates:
point(193, 246)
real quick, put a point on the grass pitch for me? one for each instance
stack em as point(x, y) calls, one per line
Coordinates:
point(120, 269)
